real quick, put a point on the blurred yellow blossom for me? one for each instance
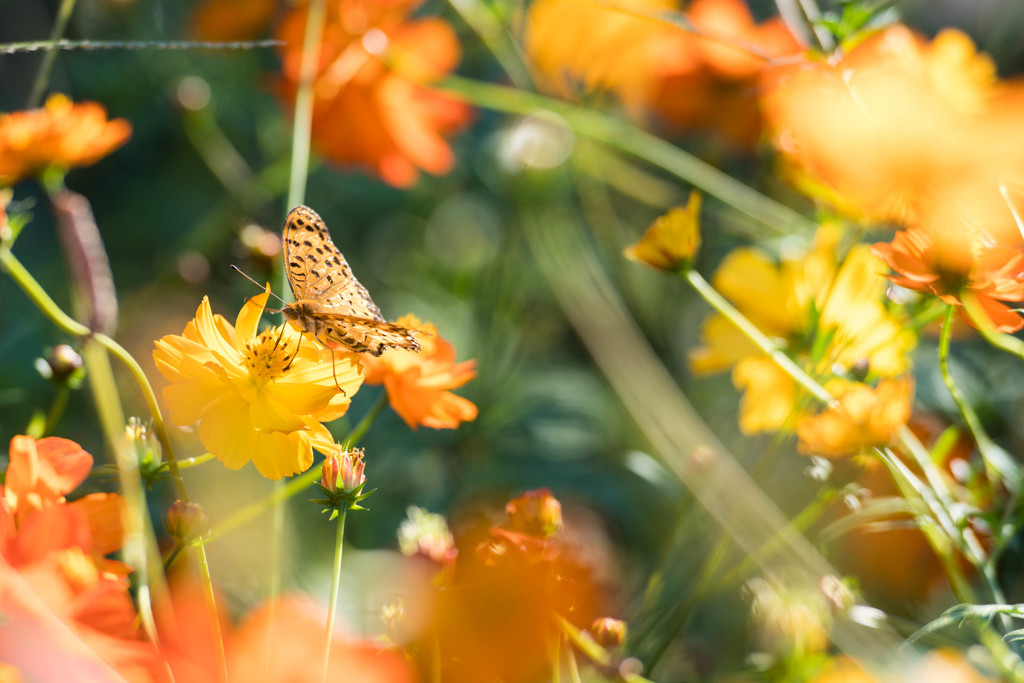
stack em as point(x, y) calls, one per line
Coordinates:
point(672, 239)
point(828, 315)
point(256, 396)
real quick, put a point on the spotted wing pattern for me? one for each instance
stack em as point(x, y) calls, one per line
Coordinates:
point(329, 300)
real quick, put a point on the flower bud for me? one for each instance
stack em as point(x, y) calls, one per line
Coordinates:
point(62, 365)
point(343, 471)
point(186, 521)
point(672, 240)
point(535, 513)
point(609, 632)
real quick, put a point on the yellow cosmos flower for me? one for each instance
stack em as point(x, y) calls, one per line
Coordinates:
point(868, 417)
point(828, 315)
point(256, 396)
point(672, 239)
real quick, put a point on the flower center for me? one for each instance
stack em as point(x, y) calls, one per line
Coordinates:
point(268, 356)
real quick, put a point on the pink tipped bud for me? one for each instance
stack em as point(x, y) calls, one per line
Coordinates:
point(609, 632)
point(343, 471)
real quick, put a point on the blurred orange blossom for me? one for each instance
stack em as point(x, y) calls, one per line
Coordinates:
point(60, 134)
point(495, 618)
point(280, 640)
point(232, 19)
point(896, 124)
point(704, 78)
point(713, 82)
point(256, 396)
point(419, 384)
point(866, 417)
point(64, 603)
point(800, 301)
point(953, 260)
point(372, 106)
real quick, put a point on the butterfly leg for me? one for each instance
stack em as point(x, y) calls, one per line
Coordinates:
point(334, 368)
point(298, 345)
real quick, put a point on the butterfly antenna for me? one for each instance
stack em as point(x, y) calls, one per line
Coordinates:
point(243, 274)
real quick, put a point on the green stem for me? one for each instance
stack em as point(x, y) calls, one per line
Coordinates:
point(60, 402)
point(335, 584)
point(46, 66)
point(997, 462)
point(173, 555)
point(760, 339)
point(303, 123)
point(627, 138)
point(196, 461)
point(276, 543)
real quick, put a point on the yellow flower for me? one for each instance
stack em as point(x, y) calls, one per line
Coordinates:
point(672, 239)
point(867, 417)
point(827, 315)
point(256, 396)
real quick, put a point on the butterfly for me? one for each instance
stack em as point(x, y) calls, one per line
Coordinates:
point(330, 304)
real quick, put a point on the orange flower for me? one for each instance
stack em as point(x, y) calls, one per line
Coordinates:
point(536, 513)
point(258, 397)
point(607, 46)
point(672, 239)
point(232, 19)
point(371, 113)
point(61, 134)
point(897, 124)
point(294, 626)
point(952, 262)
point(419, 384)
point(711, 81)
point(41, 472)
point(867, 417)
point(494, 619)
point(57, 592)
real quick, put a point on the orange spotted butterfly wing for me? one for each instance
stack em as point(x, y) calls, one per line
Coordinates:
point(330, 304)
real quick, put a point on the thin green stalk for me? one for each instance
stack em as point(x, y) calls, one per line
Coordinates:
point(46, 66)
point(173, 555)
point(303, 123)
point(196, 461)
point(335, 584)
point(485, 22)
point(627, 138)
point(763, 342)
point(56, 411)
point(570, 660)
point(997, 462)
point(276, 543)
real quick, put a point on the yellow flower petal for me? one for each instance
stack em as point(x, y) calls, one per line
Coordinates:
point(672, 239)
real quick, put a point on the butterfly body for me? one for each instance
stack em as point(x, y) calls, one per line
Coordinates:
point(330, 303)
